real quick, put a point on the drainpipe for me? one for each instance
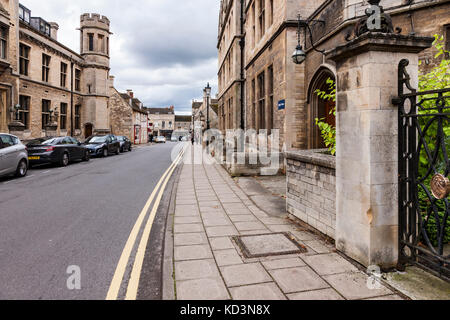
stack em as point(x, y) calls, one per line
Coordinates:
point(71, 97)
point(242, 46)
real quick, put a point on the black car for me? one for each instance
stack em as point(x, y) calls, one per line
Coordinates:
point(103, 146)
point(125, 143)
point(59, 150)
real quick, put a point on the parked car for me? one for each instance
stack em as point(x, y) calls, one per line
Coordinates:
point(160, 139)
point(13, 156)
point(58, 150)
point(103, 146)
point(125, 144)
point(174, 139)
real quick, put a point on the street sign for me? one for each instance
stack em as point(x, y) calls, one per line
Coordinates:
point(281, 104)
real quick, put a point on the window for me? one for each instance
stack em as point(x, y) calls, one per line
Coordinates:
point(91, 41)
point(78, 117)
point(270, 12)
point(101, 43)
point(163, 124)
point(261, 101)
point(107, 45)
point(270, 92)
point(45, 113)
point(253, 104)
point(77, 79)
point(254, 24)
point(3, 41)
point(45, 67)
point(63, 74)
point(262, 18)
point(24, 52)
point(24, 14)
point(7, 141)
point(63, 116)
point(230, 112)
point(24, 112)
point(447, 39)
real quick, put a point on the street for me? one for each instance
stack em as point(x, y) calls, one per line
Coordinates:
point(81, 215)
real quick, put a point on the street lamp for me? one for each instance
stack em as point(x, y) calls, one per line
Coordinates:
point(299, 56)
point(208, 96)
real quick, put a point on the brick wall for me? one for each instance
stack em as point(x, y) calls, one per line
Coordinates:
point(311, 189)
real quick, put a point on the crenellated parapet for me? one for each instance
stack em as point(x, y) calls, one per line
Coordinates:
point(94, 20)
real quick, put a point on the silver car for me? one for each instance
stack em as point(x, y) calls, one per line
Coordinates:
point(13, 156)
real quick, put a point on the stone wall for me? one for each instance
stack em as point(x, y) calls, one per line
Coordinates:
point(311, 189)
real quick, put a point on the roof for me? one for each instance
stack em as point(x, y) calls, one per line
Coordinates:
point(183, 118)
point(196, 104)
point(160, 110)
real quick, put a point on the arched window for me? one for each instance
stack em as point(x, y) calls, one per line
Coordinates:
point(319, 108)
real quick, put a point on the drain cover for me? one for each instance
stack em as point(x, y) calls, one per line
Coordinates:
point(265, 245)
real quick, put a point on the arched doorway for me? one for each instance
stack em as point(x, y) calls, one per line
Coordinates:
point(88, 130)
point(319, 108)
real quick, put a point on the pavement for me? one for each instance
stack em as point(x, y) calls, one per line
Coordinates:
point(276, 259)
point(81, 215)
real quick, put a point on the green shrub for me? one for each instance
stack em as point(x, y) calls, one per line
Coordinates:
point(327, 131)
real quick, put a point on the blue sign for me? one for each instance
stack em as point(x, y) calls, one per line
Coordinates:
point(281, 104)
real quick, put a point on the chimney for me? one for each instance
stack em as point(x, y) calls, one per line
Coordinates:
point(54, 27)
point(130, 93)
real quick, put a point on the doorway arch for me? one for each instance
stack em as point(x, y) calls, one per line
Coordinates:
point(88, 130)
point(319, 108)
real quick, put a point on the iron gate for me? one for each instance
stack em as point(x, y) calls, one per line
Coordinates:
point(424, 144)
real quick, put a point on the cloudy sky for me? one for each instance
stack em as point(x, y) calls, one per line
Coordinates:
point(165, 50)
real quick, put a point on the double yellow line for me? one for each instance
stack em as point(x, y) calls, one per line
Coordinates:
point(133, 283)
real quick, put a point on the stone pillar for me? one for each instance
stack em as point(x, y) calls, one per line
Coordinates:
point(16, 128)
point(51, 129)
point(367, 143)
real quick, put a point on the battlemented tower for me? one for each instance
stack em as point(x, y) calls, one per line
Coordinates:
point(94, 48)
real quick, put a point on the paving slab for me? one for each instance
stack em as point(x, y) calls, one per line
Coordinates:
point(245, 274)
point(324, 294)
point(249, 226)
point(221, 231)
point(243, 218)
point(354, 286)
point(188, 228)
point(202, 289)
point(258, 292)
point(267, 245)
point(283, 263)
point(227, 257)
point(196, 269)
point(318, 246)
point(195, 252)
point(187, 220)
point(216, 222)
point(327, 264)
point(190, 239)
point(298, 279)
point(221, 243)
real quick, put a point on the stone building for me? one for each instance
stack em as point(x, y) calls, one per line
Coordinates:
point(183, 126)
point(45, 87)
point(161, 121)
point(231, 73)
point(128, 116)
point(280, 94)
point(200, 112)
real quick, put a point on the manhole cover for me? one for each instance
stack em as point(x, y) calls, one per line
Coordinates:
point(265, 245)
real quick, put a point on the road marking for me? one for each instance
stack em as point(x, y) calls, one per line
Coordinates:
point(116, 282)
point(133, 284)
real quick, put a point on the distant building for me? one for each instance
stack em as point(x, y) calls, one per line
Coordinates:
point(161, 121)
point(183, 126)
point(200, 112)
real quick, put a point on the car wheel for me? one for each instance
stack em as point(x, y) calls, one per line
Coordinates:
point(64, 162)
point(129, 149)
point(105, 153)
point(22, 169)
point(118, 151)
point(87, 156)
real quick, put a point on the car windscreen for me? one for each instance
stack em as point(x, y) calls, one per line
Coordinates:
point(121, 139)
point(97, 140)
point(44, 141)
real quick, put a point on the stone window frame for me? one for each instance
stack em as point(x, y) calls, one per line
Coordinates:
point(77, 117)
point(101, 43)
point(63, 116)
point(77, 80)
point(270, 91)
point(270, 13)
point(253, 103)
point(24, 111)
point(63, 79)
point(262, 18)
point(90, 42)
point(45, 112)
point(46, 60)
point(4, 30)
point(447, 39)
point(24, 59)
point(261, 105)
point(254, 24)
